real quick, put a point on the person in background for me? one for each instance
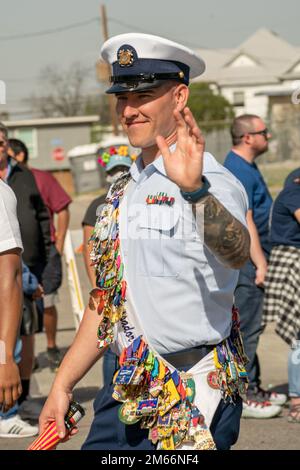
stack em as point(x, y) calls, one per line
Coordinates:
point(114, 167)
point(282, 283)
point(250, 138)
point(57, 202)
point(10, 302)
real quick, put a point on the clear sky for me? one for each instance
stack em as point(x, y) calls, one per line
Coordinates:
point(195, 23)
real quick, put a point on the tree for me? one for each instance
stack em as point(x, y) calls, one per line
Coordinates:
point(98, 105)
point(61, 91)
point(209, 109)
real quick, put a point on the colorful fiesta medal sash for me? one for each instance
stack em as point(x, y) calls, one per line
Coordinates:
point(109, 296)
point(161, 400)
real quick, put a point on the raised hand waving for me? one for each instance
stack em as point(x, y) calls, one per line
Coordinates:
point(184, 166)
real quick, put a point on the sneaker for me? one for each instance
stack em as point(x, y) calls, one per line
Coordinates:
point(54, 358)
point(260, 410)
point(30, 409)
point(272, 397)
point(16, 427)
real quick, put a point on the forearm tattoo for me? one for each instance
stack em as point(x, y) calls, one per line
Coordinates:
point(224, 235)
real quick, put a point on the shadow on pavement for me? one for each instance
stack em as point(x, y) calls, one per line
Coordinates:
point(281, 388)
point(42, 360)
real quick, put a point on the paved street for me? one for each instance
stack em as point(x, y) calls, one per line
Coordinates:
point(255, 434)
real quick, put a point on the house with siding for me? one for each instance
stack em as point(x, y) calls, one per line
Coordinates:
point(263, 65)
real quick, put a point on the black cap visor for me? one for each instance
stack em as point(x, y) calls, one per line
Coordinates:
point(132, 83)
point(134, 86)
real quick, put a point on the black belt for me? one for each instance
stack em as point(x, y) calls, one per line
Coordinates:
point(188, 357)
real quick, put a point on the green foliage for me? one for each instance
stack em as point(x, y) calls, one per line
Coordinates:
point(209, 109)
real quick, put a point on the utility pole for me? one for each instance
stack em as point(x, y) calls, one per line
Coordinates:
point(111, 98)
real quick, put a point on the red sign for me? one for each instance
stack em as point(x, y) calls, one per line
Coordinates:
point(58, 154)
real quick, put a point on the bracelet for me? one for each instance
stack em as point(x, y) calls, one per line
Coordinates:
point(194, 196)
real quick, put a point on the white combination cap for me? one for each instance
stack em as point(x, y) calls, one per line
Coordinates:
point(142, 61)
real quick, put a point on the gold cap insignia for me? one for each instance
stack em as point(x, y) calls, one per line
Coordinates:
point(125, 57)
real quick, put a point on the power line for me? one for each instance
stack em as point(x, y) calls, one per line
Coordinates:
point(90, 21)
point(94, 20)
point(49, 31)
point(80, 24)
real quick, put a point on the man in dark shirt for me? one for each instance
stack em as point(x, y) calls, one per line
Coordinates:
point(250, 139)
point(282, 286)
point(32, 215)
point(31, 211)
point(285, 227)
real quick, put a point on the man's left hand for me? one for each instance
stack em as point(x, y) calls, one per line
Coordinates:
point(261, 272)
point(184, 165)
point(59, 244)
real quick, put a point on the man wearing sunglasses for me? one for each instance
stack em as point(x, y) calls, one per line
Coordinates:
point(250, 138)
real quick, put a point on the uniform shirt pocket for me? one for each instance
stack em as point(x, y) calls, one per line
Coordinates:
point(160, 244)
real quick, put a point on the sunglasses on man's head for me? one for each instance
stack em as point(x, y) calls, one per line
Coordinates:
point(264, 132)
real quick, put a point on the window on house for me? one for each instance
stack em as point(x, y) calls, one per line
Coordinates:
point(238, 98)
point(29, 136)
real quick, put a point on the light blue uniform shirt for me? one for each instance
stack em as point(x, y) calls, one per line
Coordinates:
point(182, 293)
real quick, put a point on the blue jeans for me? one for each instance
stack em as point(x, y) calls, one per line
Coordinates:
point(17, 355)
point(109, 366)
point(109, 433)
point(249, 300)
point(294, 371)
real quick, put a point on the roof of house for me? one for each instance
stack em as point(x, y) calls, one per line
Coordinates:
point(264, 58)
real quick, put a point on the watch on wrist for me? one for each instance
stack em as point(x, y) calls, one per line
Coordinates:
point(195, 196)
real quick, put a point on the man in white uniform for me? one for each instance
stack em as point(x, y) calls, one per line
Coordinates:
point(182, 236)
